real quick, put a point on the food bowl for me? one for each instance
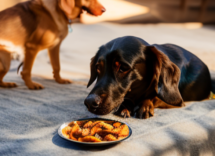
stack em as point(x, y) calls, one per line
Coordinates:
point(103, 143)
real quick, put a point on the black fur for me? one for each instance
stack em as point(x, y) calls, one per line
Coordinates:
point(167, 71)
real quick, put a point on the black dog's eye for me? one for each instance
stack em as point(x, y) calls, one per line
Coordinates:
point(124, 68)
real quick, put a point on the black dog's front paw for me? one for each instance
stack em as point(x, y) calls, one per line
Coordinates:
point(146, 110)
point(125, 113)
point(125, 109)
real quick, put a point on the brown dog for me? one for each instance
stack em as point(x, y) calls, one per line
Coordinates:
point(35, 25)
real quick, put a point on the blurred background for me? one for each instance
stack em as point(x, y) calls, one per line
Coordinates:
point(187, 23)
point(148, 11)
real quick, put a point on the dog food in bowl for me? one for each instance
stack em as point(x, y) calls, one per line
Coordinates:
point(96, 131)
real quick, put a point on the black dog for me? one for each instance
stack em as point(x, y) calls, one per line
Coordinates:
point(147, 76)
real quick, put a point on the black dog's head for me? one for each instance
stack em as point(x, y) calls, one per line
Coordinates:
point(129, 63)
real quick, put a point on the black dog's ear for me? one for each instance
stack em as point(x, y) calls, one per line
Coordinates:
point(166, 76)
point(93, 75)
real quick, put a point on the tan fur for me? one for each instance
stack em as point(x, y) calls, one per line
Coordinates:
point(32, 26)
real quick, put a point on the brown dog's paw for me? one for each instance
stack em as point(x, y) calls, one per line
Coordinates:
point(125, 113)
point(34, 86)
point(63, 81)
point(146, 110)
point(8, 84)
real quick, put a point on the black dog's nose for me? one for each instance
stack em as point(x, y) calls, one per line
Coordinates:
point(92, 101)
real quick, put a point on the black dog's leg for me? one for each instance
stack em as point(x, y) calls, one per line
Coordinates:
point(146, 109)
point(126, 109)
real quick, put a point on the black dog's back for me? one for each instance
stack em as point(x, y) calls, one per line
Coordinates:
point(195, 80)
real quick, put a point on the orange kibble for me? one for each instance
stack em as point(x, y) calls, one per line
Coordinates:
point(66, 131)
point(116, 124)
point(85, 132)
point(89, 139)
point(88, 124)
point(96, 131)
point(120, 138)
point(124, 131)
point(110, 137)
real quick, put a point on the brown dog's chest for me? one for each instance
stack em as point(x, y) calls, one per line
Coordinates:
point(43, 38)
point(51, 30)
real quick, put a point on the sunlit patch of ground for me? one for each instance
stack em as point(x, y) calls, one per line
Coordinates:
point(116, 10)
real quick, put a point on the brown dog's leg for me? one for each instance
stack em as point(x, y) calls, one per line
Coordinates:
point(5, 60)
point(30, 56)
point(55, 61)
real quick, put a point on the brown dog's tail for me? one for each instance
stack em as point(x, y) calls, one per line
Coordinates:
point(21, 64)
